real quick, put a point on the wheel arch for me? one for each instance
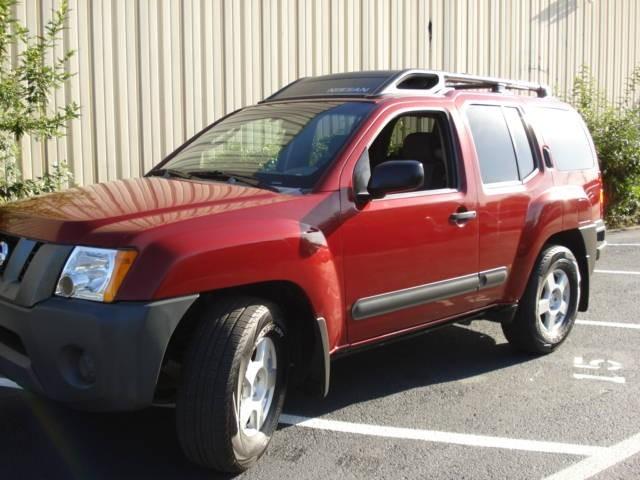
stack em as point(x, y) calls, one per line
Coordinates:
point(574, 241)
point(307, 331)
point(546, 224)
point(524, 266)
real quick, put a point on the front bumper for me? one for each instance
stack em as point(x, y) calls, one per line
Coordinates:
point(50, 347)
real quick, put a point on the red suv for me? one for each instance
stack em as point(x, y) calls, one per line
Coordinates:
point(340, 212)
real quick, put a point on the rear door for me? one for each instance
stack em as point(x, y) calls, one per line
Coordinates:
point(509, 174)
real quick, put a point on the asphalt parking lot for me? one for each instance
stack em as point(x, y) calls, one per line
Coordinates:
point(455, 403)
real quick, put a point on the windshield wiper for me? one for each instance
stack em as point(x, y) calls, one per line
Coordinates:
point(212, 175)
point(234, 177)
point(168, 173)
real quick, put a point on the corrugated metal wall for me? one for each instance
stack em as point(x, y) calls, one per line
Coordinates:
point(150, 73)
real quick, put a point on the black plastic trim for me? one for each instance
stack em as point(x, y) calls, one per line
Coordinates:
point(485, 313)
point(323, 338)
point(32, 272)
point(589, 235)
point(493, 278)
point(593, 237)
point(432, 292)
point(127, 342)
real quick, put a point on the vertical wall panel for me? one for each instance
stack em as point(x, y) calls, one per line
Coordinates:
point(150, 73)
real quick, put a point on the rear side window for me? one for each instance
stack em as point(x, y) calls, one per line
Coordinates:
point(565, 135)
point(493, 143)
point(524, 155)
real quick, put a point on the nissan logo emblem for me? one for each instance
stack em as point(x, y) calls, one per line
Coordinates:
point(4, 252)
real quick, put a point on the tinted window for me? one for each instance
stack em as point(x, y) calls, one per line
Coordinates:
point(417, 136)
point(565, 135)
point(340, 84)
point(524, 154)
point(282, 144)
point(493, 143)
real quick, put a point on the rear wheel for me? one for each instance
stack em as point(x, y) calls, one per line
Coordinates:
point(233, 384)
point(548, 308)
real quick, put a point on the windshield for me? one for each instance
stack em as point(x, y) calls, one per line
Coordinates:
point(285, 145)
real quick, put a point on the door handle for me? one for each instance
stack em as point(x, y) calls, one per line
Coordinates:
point(546, 153)
point(463, 217)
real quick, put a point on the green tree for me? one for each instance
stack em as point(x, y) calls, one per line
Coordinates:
point(28, 83)
point(615, 128)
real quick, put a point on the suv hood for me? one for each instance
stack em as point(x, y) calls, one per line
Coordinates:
point(108, 214)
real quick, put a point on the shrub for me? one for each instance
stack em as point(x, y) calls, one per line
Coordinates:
point(27, 85)
point(615, 127)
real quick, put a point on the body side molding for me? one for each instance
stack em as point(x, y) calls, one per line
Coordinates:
point(431, 292)
point(492, 278)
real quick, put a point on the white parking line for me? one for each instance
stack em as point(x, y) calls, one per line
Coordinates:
point(617, 272)
point(6, 383)
point(594, 323)
point(424, 435)
point(623, 244)
point(601, 461)
point(441, 437)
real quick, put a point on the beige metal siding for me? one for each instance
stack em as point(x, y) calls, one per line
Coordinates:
point(151, 73)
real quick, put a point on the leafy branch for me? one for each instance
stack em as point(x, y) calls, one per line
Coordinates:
point(615, 128)
point(27, 89)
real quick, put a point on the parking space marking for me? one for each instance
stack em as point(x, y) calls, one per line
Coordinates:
point(6, 383)
point(598, 364)
point(600, 461)
point(442, 437)
point(594, 323)
point(623, 244)
point(617, 272)
point(578, 362)
point(614, 379)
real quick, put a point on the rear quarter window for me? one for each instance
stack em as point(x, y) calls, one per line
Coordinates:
point(566, 136)
point(493, 144)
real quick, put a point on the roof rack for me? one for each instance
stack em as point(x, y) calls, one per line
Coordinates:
point(415, 82)
point(498, 85)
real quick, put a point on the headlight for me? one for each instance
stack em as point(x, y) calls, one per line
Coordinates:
point(94, 273)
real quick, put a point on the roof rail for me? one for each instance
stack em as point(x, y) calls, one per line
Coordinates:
point(408, 79)
point(461, 81)
point(376, 83)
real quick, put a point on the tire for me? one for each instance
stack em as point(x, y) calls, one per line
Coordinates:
point(547, 311)
point(233, 338)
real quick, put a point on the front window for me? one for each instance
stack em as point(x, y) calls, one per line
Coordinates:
point(281, 145)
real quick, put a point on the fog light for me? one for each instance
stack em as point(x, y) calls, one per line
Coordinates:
point(87, 368)
point(78, 367)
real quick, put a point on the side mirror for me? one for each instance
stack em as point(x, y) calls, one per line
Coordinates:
point(395, 176)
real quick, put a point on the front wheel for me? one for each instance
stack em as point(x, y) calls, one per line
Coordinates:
point(233, 384)
point(548, 308)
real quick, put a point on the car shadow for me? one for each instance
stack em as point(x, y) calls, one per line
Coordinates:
point(447, 354)
point(39, 439)
point(42, 440)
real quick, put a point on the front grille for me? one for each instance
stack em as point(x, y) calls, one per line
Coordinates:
point(27, 262)
point(12, 242)
point(32, 272)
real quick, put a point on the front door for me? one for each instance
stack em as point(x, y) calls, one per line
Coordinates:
point(411, 258)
